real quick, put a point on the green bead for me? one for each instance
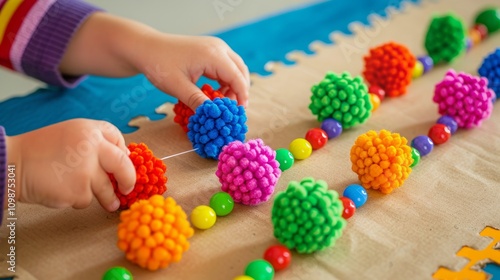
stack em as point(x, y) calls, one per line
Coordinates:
point(415, 154)
point(222, 203)
point(260, 270)
point(490, 18)
point(285, 159)
point(117, 273)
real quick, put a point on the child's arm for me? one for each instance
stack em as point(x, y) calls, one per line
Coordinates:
point(111, 46)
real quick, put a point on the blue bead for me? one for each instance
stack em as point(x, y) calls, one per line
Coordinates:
point(468, 44)
point(332, 127)
point(427, 62)
point(449, 122)
point(423, 144)
point(357, 194)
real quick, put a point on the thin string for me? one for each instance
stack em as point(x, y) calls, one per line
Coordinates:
point(178, 154)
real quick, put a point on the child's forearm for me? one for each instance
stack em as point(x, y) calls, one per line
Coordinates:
point(105, 45)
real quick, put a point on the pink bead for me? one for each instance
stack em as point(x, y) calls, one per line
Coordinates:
point(464, 97)
point(248, 171)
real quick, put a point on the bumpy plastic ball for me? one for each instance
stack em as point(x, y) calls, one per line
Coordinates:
point(381, 160)
point(117, 273)
point(222, 203)
point(278, 256)
point(389, 66)
point(464, 97)
point(445, 38)
point(203, 217)
point(342, 98)
point(490, 18)
point(215, 124)
point(248, 171)
point(150, 173)
point(154, 233)
point(490, 69)
point(284, 158)
point(260, 270)
point(183, 112)
point(307, 216)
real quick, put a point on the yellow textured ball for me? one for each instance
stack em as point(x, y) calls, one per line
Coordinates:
point(381, 160)
point(154, 233)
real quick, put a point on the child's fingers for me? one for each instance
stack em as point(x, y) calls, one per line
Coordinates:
point(113, 160)
point(228, 73)
point(241, 65)
point(103, 191)
point(113, 135)
point(188, 93)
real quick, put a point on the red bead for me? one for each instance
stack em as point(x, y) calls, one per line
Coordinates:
point(377, 91)
point(278, 256)
point(482, 30)
point(349, 207)
point(439, 133)
point(317, 137)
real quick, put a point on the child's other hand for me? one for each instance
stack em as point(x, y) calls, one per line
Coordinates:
point(66, 164)
point(174, 63)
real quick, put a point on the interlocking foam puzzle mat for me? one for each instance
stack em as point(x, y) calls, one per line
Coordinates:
point(442, 224)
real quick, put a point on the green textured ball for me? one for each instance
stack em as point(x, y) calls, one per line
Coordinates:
point(445, 39)
point(307, 216)
point(490, 18)
point(117, 273)
point(341, 97)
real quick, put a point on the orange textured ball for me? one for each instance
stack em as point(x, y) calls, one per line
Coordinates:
point(390, 67)
point(183, 112)
point(150, 173)
point(154, 233)
point(381, 160)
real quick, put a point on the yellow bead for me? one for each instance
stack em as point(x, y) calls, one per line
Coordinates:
point(243, 277)
point(203, 217)
point(375, 100)
point(300, 148)
point(418, 70)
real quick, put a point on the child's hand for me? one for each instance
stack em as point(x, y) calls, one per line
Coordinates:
point(111, 46)
point(174, 63)
point(66, 164)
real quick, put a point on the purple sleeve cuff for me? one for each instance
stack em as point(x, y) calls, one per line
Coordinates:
point(46, 47)
point(3, 169)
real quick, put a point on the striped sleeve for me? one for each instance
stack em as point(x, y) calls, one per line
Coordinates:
point(34, 35)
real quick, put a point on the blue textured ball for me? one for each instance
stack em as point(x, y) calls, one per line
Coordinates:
point(490, 69)
point(215, 124)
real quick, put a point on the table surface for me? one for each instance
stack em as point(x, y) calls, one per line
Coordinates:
point(449, 198)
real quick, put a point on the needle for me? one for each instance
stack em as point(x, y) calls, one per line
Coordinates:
point(178, 154)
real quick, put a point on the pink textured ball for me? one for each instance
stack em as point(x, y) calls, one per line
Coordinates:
point(464, 97)
point(248, 171)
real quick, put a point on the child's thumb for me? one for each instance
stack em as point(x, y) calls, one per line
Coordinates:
point(190, 94)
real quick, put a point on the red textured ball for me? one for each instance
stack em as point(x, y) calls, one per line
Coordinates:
point(183, 112)
point(378, 91)
point(390, 67)
point(439, 133)
point(278, 256)
point(150, 173)
point(317, 137)
point(349, 207)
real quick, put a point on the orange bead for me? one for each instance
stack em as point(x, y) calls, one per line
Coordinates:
point(375, 100)
point(475, 36)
